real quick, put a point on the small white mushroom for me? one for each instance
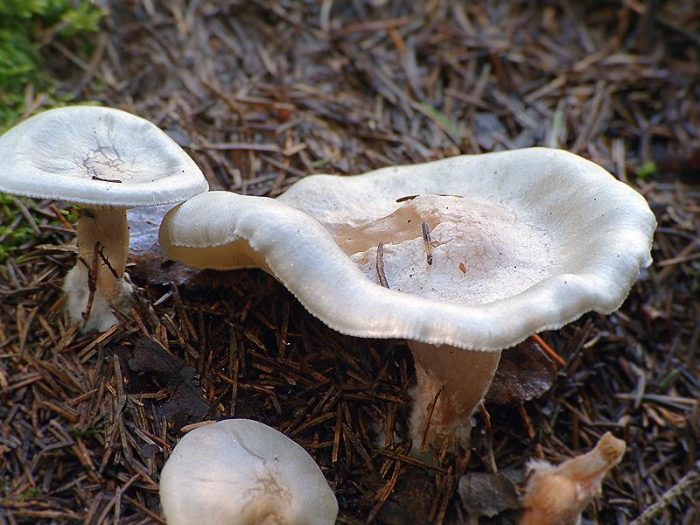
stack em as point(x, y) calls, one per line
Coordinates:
point(106, 160)
point(241, 472)
point(463, 257)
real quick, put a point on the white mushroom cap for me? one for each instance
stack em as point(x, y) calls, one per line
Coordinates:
point(96, 156)
point(588, 236)
point(240, 472)
point(472, 253)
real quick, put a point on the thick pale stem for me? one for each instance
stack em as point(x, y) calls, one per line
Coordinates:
point(107, 229)
point(103, 244)
point(458, 379)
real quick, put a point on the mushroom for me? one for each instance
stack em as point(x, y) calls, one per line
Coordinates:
point(463, 257)
point(106, 160)
point(558, 495)
point(241, 472)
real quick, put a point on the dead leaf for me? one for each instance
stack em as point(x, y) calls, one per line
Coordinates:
point(411, 499)
point(524, 373)
point(148, 264)
point(488, 495)
point(144, 223)
point(186, 403)
point(156, 269)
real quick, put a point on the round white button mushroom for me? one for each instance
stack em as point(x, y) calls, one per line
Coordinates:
point(241, 472)
point(106, 160)
point(463, 257)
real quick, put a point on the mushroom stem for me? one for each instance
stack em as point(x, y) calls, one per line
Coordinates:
point(103, 244)
point(108, 229)
point(450, 384)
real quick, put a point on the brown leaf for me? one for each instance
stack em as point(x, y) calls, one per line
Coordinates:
point(148, 264)
point(484, 494)
point(186, 403)
point(155, 268)
point(524, 373)
point(411, 498)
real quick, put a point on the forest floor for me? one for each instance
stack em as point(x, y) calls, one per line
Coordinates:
point(262, 93)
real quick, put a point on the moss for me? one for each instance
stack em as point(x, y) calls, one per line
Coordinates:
point(29, 494)
point(14, 236)
point(646, 170)
point(23, 26)
point(90, 431)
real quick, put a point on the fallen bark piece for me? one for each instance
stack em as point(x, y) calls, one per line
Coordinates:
point(558, 495)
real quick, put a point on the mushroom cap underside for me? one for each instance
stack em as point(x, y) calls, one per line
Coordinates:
point(587, 236)
point(242, 471)
point(96, 156)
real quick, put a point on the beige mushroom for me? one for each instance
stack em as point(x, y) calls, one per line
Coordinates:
point(106, 160)
point(241, 472)
point(463, 257)
point(558, 495)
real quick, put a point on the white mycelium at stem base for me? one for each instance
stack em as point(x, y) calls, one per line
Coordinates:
point(519, 242)
point(95, 286)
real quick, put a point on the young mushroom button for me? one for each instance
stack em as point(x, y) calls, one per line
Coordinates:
point(558, 495)
point(462, 257)
point(106, 160)
point(241, 472)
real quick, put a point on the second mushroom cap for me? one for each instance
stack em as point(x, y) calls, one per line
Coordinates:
point(240, 471)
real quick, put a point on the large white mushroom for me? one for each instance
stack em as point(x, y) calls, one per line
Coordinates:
point(106, 160)
point(241, 472)
point(463, 257)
